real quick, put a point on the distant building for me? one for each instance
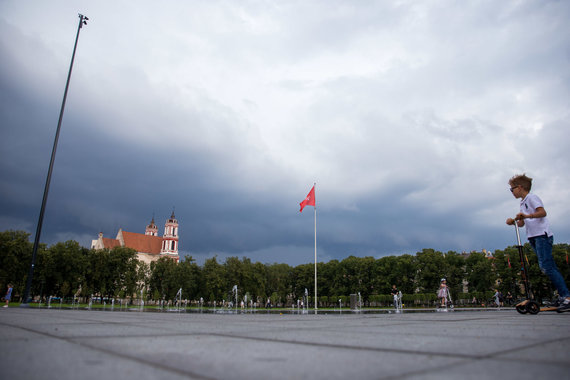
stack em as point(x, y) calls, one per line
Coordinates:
point(150, 247)
point(488, 254)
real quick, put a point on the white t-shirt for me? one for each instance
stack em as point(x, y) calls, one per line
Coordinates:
point(538, 226)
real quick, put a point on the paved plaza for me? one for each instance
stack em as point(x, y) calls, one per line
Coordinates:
point(81, 344)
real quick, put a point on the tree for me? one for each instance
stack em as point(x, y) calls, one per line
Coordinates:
point(507, 267)
point(15, 259)
point(213, 280)
point(110, 272)
point(259, 278)
point(61, 269)
point(405, 272)
point(187, 274)
point(163, 278)
point(234, 276)
point(454, 271)
point(479, 273)
point(302, 277)
point(140, 282)
point(331, 280)
point(279, 282)
point(96, 274)
point(431, 268)
point(122, 271)
point(384, 275)
point(242, 273)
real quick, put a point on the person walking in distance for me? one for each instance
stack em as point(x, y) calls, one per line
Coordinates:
point(8, 295)
point(442, 292)
point(395, 296)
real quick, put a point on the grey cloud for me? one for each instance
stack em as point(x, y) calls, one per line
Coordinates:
point(410, 117)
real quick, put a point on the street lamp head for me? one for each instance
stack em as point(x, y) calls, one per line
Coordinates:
point(83, 19)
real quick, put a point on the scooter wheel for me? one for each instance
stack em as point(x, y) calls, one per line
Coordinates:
point(532, 307)
point(522, 309)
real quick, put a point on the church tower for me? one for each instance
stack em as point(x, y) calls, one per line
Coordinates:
point(170, 238)
point(151, 229)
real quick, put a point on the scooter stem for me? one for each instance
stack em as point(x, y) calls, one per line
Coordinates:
point(518, 235)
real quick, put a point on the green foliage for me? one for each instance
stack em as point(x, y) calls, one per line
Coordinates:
point(60, 269)
point(213, 280)
point(479, 272)
point(275, 299)
point(163, 278)
point(65, 269)
point(187, 276)
point(15, 259)
point(279, 281)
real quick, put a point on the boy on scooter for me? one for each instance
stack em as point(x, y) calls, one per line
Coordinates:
point(532, 215)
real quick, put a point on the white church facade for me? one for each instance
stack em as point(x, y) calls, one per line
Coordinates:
point(149, 246)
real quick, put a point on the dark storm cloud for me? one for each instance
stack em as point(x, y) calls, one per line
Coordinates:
point(409, 116)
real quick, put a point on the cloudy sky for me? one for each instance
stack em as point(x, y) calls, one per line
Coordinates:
point(409, 116)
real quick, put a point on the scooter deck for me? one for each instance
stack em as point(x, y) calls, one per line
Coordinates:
point(544, 308)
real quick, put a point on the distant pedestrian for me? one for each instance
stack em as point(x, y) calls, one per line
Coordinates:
point(395, 296)
point(509, 298)
point(8, 295)
point(497, 297)
point(442, 292)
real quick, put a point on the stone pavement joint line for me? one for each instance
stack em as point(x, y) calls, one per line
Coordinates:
point(84, 342)
point(402, 351)
point(71, 344)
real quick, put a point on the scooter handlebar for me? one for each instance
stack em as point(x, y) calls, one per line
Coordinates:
point(517, 231)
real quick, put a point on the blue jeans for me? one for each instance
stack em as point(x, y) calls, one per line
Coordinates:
point(542, 245)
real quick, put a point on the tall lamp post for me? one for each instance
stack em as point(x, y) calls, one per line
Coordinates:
point(25, 300)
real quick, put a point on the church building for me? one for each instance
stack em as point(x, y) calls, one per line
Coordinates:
point(150, 247)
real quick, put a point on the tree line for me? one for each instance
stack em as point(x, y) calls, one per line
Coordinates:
point(66, 270)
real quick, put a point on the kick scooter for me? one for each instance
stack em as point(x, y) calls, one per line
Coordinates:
point(528, 305)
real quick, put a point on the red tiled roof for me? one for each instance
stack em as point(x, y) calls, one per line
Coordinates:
point(111, 243)
point(143, 243)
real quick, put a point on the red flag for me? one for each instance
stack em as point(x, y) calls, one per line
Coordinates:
point(509, 261)
point(566, 257)
point(309, 200)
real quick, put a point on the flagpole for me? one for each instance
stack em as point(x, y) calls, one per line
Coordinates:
point(315, 252)
point(310, 201)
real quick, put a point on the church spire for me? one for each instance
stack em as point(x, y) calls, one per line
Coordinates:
point(151, 229)
point(170, 238)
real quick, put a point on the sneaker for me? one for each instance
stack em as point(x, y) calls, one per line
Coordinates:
point(5, 306)
point(557, 303)
point(565, 306)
